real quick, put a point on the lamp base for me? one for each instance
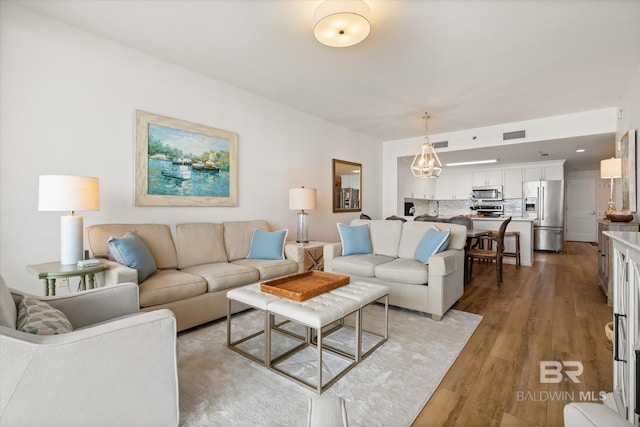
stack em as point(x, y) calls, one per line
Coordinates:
point(70, 239)
point(611, 209)
point(302, 232)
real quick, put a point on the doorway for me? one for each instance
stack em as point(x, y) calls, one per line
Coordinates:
point(581, 224)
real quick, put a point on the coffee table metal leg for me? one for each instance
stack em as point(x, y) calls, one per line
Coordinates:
point(359, 335)
point(268, 324)
point(228, 323)
point(319, 348)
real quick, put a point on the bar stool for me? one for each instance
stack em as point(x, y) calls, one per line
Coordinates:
point(516, 253)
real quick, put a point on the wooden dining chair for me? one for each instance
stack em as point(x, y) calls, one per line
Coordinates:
point(490, 254)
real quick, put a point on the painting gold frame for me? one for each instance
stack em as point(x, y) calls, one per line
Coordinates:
point(628, 155)
point(180, 190)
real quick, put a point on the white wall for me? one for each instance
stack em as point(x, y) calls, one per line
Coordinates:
point(630, 106)
point(67, 107)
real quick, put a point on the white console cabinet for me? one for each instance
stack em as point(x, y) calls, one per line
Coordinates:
point(626, 321)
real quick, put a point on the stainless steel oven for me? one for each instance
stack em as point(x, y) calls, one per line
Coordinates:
point(494, 210)
point(489, 193)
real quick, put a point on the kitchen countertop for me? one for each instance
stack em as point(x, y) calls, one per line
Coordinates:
point(515, 218)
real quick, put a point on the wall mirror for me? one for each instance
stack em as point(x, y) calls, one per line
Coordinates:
point(347, 186)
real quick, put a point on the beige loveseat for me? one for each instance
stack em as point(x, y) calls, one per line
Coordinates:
point(431, 288)
point(195, 273)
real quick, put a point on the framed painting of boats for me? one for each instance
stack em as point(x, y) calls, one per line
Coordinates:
point(179, 163)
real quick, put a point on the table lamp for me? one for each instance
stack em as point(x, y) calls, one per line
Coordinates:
point(611, 169)
point(69, 193)
point(302, 198)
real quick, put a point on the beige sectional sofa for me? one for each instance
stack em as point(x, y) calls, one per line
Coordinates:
point(431, 288)
point(194, 273)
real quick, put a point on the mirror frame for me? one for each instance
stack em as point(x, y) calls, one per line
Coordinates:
point(336, 164)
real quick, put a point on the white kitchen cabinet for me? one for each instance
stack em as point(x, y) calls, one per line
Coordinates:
point(463, 184)
point(454, 185)
point(445, 186)
point(351, 181)
point(626, 319)
point(549, 172)
point(415, 188)
point(486, 177)
point(512, 187)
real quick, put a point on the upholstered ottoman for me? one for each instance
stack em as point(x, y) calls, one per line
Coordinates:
point(251, 296)
point(314, 313)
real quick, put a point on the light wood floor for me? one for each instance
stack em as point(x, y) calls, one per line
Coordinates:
point(553, 311)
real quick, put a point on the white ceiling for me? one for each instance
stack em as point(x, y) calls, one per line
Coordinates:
point(468, 63)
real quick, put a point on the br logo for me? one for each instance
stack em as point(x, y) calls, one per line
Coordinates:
point(551, 371)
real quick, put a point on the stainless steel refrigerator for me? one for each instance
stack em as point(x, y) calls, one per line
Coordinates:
point(543, 201)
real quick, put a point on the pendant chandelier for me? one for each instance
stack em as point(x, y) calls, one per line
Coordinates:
point(426, 163)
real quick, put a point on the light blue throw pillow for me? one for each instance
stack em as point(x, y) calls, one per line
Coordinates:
point(131, 251)
point(355, 239)
point(434, 241)
point(267, 244)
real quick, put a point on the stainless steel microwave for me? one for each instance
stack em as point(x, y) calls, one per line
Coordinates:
point(488, 192)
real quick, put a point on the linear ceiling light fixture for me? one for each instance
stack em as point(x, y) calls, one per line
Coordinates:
point(426, 163)
point(342, 23)
point(472, 162)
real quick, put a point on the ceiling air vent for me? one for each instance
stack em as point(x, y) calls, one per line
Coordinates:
point(441, 144)
point(519, 134)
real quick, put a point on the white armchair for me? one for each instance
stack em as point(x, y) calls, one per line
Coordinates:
point(117, 367)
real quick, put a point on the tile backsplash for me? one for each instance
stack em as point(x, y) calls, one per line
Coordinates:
point(512, 207)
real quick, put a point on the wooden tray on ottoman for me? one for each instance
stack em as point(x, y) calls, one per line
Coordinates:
point(302, 286)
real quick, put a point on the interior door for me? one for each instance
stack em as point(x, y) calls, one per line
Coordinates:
point(581, 220)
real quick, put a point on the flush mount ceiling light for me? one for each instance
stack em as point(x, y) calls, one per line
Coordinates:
point(342, 23)
point(426, 163)
point(472, 162)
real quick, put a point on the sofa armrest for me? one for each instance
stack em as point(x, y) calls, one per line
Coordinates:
point(295, 253)
point(585, 414)
point(117, 273)
point(329, 252)
point(94, 305)
point(444, 263)
point(122, 370)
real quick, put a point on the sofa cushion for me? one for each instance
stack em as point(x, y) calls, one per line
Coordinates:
point(129, 250)
point(267, 245)
point(8, 311)
point(38, 317)
point(433, 241)
point(238, 235)
point(412, 232)
point(170, 285)
point(403, 270)
point(358, 265)
point(355, 239)
point(157, 237)
point(201, 243)
point(270, 269)
point(224, 275)
point(385, 236)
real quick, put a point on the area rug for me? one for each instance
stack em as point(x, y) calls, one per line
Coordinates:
point(219, 387)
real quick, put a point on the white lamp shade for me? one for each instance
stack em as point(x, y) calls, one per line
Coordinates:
point(611, 168)
point(342, 23)
point(302, 198)
point(68, 193)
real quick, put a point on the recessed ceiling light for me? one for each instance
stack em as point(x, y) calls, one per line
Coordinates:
point(580, 150)
point(474, 162)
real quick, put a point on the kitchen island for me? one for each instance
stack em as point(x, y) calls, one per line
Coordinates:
point(522, 225)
